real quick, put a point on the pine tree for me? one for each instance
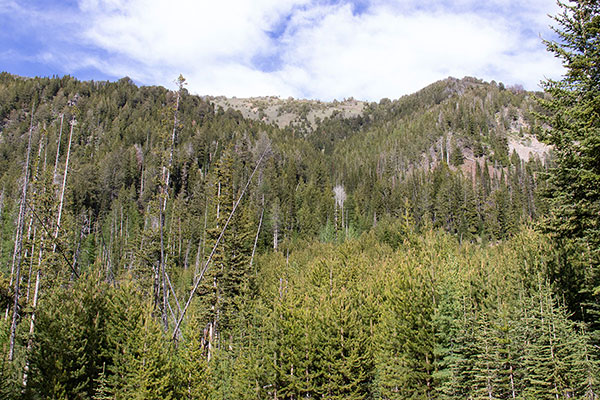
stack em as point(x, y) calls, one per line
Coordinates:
point(456, 155)
point(345, 348)
point(211, 286)
point(555, 357)
point(572, 114)
point(191, 366)
point(70, 339)
point(237, 279)
point(102, 391)
point(405, 359)
point(9, 385)
point(140, 363)
point(446, 320)
point(462, 355)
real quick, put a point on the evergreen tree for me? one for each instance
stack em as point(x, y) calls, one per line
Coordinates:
point(192, 368)
point(406, 338)
point(71, 340)
point(572, 113)
point(140, 363)
point(401, 311)
point(9, 376)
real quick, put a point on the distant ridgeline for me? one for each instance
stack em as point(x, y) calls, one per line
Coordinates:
point(459, 154)
point(370, 250)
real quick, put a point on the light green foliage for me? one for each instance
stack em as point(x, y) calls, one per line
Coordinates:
point(424, 283)
point(9, 383)
point(71, 339)
point(432, 318)
point(140, 364)
point(191, 367)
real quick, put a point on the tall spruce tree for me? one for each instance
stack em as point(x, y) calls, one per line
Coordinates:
point(574, 119)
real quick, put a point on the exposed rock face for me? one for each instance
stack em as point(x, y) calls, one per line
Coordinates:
point(528, 147)
point(289, 112)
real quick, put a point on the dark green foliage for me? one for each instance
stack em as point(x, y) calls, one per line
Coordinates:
point(575, 124)
point(9, 382)
point(140, 361)
point(456, 156)
point(392, 292)
point(71, 340)
point(571, 111)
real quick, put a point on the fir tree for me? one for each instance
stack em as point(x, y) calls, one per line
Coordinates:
point(572, 113)
point(140, 364)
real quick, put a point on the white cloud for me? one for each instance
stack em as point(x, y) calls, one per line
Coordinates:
point(214, 42)
point(382, 53)
point(325, 51)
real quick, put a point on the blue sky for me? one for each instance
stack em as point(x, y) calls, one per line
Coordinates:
point(323, 49)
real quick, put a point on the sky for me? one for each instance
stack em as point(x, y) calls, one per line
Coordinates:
point(318, 49)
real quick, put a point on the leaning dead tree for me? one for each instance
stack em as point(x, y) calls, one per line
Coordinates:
point(212, 253)
point(62, 117)
point(64, 183)
point(262, 213)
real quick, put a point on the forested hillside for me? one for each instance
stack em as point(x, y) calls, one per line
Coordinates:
point(155, 245)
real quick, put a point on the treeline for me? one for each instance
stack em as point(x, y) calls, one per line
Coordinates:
point(352, 267)
point(398, 150)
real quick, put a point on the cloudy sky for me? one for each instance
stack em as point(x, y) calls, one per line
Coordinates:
point(323, 49)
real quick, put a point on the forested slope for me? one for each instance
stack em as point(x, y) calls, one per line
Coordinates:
point(382, 255)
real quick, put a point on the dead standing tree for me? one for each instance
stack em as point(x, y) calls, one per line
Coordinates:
point(17, 254)
point(166, 175)
point(340, 198)
point(64, 183)
point(198, 278)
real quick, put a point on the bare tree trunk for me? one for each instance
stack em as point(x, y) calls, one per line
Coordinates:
point(64, 185)
point(346, 223)
point(198, 254)
point(30, 267)
point(34, 306)
point(30, 227)
point(163, 270)
point(186, 259)
point(199, 278)
point(203, 242)
point(17, 254)
point(141, 183)
point(35, 178)
point(512, 383)
point(156, 286)
point(58, 146)
point(162, 211)
point(18, 234)
point(262, 212)
point(43, 234)
point(173, 138)
point(210, 341)
point(146, 218)
point(218, 198)
point(179, 237)
point(335, 219)
point(488, 376)
point(1, 203)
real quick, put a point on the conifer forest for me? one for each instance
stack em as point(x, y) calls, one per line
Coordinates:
point(155, 244)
